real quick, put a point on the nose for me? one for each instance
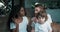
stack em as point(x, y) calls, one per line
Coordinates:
point(41, 19)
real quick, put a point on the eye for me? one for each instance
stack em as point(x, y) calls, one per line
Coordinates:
point(43, 17)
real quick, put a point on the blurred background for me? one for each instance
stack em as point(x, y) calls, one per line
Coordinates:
point(52, 7)
point(5, 9)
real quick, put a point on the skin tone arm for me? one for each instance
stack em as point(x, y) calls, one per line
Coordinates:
point(50, 30)
point(30, 29)
point(33, 30)
point(17, 21)
point(35, 20)
point(14, 30)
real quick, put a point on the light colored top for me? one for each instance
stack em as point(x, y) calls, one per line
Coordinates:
point(49, 20)
point(43, 27)
point(12, 25)
point(22, 25)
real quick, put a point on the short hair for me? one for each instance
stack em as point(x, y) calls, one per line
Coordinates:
point(42, 15)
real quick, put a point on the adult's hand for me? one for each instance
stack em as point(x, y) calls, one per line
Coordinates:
point(34, 19)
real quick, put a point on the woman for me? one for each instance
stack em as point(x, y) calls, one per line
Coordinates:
point(39, 8)
point(20, 21)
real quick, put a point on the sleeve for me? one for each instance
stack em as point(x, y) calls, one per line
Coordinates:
point(12, 26)
point(36, 28)
point(49, 19)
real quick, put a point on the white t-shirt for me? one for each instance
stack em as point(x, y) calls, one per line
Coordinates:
point(49, 20)
point(43, 27)
point(22, 25)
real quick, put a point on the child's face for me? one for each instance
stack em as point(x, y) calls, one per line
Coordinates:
point(41, 20)
point(22, 12)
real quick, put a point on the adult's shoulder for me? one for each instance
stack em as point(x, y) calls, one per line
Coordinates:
point(48, 15)
point(49, 20)
point(24, 16)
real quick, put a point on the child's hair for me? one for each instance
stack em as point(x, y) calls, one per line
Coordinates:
point(42, 14)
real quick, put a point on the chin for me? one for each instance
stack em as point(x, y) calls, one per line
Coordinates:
point(41, 22)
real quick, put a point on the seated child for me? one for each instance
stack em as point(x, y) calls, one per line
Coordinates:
point(41, 24)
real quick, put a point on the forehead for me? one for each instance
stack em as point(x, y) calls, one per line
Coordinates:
point(22, 8)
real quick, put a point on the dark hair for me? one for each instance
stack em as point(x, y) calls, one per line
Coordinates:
point(42, 15)
point(13, 13)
